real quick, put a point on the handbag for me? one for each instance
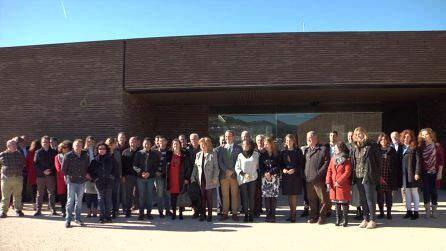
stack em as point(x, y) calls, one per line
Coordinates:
point(183, 199)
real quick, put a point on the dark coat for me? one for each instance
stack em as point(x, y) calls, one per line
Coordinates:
point(395, 167)
point(270, 164)
point(371, 162)
point(316, 163)
point(146, 162)
point(292, 183)
point(410, 160)
point(185, 170)
point(104, 171)
point(341, 175)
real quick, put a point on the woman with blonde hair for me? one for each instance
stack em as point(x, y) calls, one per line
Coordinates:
point(89, 147)
point(269, 165)
point(432, 162)
point(206, 173)
point(366, 167)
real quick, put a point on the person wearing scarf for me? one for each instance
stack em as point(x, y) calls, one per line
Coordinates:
point(246, 168)
point(432, 162)
point(338, 182)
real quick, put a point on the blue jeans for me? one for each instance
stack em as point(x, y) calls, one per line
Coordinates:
point(145, 188)
point(162, 194)
point(75, 192)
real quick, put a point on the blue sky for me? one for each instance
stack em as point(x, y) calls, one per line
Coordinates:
point(30, 22)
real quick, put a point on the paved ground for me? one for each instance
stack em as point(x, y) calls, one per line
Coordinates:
point(48, 232)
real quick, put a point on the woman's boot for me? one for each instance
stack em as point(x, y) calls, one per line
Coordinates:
point(345, 215)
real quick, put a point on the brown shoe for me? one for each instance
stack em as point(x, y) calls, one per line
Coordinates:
point(223, 217)
point(235, 218)
point(312, 221)
point(321, 221)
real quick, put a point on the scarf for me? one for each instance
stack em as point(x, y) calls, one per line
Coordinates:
point(339, 159)
point(429, 159)
point(248, 154)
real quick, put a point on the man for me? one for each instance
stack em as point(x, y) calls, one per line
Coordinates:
point(75, 166)
point(122, 142)
point(146, 164)
point(396, 144)
point(163, 198)
point(129, 174)
point(183, 141)
point(54, 143)
point(316, 163)
point(332, 140)
point(350, 141)
point(21, 148)
point(222, 142)
point(120, 147)
point(192, 149)
point(157, 142)
point(227, 156)
point(260, 148)
point(12, 163)
point(46, 175)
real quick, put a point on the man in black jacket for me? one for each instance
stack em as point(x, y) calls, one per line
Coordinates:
point(146, 164)
point(316, 163)
point(129, 175)
point(46, 175)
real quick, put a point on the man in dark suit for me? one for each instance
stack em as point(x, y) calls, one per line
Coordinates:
point(227, 156)
point(316, 163)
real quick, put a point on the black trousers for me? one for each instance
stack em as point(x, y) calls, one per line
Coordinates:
point(248, 192)
point(430, 193)
point(387, 195)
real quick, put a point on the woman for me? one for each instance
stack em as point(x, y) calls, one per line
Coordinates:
point(246, 168)
point(112, 143)
point(292, 167)
point(177, 175)
point(410, 173)
point(269, 165)
point(431, 162)
point(389, 165)
point(104, 173)
point(31, 170)
point(338, 182)
point(63, 148)
point(366, 164)
point(205, 173)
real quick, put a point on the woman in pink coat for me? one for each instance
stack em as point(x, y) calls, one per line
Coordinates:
point(63, 148)
point(338, 182)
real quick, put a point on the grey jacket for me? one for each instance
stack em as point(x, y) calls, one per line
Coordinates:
point(371, 162)
point(211, 169)
point(76, 167)
point(227, 161)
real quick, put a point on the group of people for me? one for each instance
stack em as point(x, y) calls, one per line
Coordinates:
point(117, 171)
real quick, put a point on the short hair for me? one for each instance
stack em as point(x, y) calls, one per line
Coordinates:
point(78, 140)
point(46, 137)
point(122, 133)
point(230, 131)
point(18, 140)
point(9, 142)
point(334, 132)
point(312, 133)
point(195, 135)
point(147, 139)
point(247, 133)
point(207, 142)
point(54, 139)
point(261, 136)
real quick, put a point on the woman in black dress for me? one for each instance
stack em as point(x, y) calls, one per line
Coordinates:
point(292, 173)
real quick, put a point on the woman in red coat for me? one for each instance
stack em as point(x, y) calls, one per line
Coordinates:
point(338, 182)
point(63, 148)
point(30, 169)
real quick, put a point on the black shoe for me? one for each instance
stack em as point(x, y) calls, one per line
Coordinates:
point(149, 217)
point(114, 216)
point(64, 215)
point(102, 221)
point(168, 213)
point(195, 215)
point(209, 218)
point(67, 224)
point(235, 218)
point(3, 215)
point(19, 213)
point(140, 217)
point(108, 220)
point(389, 216)
point(128, 215)
point(414, 216)
point(381, 216)
point(181, 215)
point(202, 217)
point(161, 215)
point(250, 218)
point(37, 213)
point(173, 217)
point(53, 212)
point(305, 213)
point(246, 218)
point(408, 214)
